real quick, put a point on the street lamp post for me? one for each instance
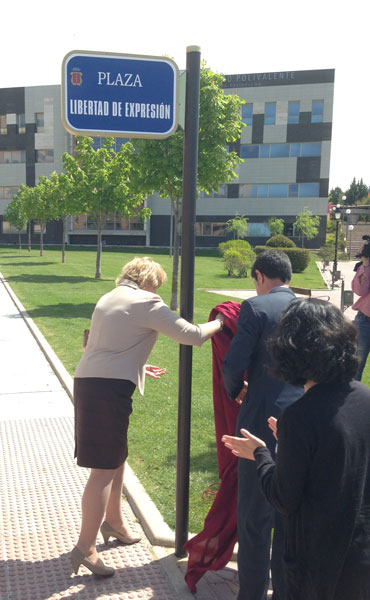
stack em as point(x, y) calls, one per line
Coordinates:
point(337, 215)
point(350, 229)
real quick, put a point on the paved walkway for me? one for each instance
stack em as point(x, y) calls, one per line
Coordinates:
point(334, 296)
point(41, 487)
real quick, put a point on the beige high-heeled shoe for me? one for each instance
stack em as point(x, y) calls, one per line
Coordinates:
point(78, 559)
point(107, 531)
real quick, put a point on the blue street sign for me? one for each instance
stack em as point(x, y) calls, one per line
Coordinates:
point(119, 95)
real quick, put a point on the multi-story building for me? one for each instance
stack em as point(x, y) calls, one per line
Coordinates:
point(285, 146)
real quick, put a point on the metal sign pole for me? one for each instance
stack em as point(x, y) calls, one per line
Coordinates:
point(187, 293)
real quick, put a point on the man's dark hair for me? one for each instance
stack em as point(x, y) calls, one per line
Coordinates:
point(274, 264)
point(313, 341)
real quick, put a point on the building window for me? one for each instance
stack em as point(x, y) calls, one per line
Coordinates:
point(311, 149)
point(270, 113)
point(309, 190)
point(21, 122)
point(247, 114)
point(8, 228)
point(7, 192)
point(210, 229)
point(118, 143)
point(37, 228)
point(279, 190)
point(221, 192)
point(258, 230)
point(8, 157)
point(293, 112)
point(245, 190)
point(115, 222)
point(248, 151)
point(39, 120)
point(295, 150)
point(279, 150)
point(3, 126)
point(262, 190)
point(293, 190)
point(317, 111)
point(44, 156)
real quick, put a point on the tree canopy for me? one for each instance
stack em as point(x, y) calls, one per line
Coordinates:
point(307, 225)
point(160, 162)
point(104, 183)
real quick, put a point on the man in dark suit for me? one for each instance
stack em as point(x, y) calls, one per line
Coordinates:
point(261, 398)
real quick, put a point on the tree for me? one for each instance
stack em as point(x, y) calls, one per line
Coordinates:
point(335, 196)
point(36, 205)
point(160, 162)
point(276, 226)
point(356, 192)
point(64, 201)
point(307, 225)
point(238, 226)
point(102, 181)
point(15, 216)
point(26, 208)
point(41, 207)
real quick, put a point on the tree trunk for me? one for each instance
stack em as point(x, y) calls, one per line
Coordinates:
point(176, 255)
point(64, 221)
point(29, 225)
point(98, 249)
point(41, 240)
point(19, 240)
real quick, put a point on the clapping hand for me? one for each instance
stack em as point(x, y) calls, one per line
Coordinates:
point(243, 447)
point(154, 372)
point(273, 426)
point(240, 397)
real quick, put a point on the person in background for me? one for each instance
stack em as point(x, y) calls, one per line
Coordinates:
point(124, 328)
point(265, 395)
point(320, 481)
point(361, 287)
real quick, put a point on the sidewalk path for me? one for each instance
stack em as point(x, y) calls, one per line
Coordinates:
point(334, 296)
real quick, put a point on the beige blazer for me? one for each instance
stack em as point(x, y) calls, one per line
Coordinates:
point(124, 328)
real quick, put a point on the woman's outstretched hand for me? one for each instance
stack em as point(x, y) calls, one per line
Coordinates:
point(154, 372)
point(273, 426)
point(243, 447)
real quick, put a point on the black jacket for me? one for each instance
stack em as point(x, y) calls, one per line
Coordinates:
point(266, 395)
point(321, 482)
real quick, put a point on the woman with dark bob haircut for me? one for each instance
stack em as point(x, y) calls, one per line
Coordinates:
point(321, 478)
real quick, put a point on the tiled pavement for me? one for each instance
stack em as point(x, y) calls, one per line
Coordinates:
point(41, 487)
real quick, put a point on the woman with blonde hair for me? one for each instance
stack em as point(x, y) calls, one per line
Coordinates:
point(124, 328)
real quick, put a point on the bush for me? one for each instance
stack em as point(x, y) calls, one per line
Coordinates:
point(299, 257)
point(326, 252)
point(280, 241)
point(238, 262)
point(239, 245)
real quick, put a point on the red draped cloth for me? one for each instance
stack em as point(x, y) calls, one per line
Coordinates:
point(212, 548)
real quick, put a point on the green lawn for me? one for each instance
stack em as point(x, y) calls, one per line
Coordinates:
point(61, 298)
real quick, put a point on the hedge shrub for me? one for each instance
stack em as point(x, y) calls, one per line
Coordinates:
point(280, 241)
point(239, 245)
point(299, 257)
point(237, 261)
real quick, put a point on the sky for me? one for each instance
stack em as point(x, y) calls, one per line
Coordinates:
point(234, 37)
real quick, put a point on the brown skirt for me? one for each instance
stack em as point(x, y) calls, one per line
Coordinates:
point(102, 411)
